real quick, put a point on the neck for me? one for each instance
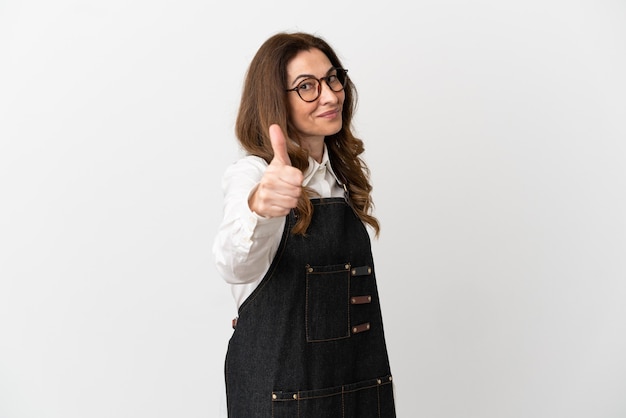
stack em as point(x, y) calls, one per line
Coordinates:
point(315, 147)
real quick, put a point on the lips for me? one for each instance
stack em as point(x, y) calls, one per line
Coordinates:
point(329, 114)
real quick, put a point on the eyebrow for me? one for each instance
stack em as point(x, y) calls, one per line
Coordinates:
point(305, 76)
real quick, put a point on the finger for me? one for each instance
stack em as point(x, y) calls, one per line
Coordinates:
point(279, 145)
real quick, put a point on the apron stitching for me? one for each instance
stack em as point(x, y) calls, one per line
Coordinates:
point(348, 303)
point(306, 306)
point(378, 396)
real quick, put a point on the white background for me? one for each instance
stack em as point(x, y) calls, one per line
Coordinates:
point(496, 135)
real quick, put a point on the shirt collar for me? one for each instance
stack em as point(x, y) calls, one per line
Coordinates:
point(314, 165)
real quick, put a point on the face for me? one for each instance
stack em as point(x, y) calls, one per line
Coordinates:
point(322, 117)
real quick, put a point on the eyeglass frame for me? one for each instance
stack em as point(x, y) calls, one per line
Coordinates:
point(319, 84)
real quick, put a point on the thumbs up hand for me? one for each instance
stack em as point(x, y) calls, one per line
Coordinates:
point(281, 185)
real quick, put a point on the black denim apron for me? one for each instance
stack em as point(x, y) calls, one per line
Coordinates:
point(309, 340)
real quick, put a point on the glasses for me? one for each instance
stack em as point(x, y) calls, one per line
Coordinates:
point(310, 88)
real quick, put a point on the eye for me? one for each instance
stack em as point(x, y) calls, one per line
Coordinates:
point(307, 85)
point(332, 79)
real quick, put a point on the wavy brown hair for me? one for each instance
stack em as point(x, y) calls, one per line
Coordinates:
point(264, 102)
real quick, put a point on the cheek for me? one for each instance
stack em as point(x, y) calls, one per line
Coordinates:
point(299, 121)
point(300, 112)
point(342, 97)
point(295, 110)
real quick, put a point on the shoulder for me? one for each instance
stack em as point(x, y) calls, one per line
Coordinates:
point(249, 162)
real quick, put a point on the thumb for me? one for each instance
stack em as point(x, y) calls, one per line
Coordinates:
point(279, 145)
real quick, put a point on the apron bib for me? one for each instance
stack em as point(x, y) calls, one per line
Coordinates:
point(309, 340)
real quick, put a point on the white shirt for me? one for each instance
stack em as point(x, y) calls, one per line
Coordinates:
point(246, 243)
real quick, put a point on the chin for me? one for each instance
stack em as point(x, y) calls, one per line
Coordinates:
point(322, 131)
point(333, 129)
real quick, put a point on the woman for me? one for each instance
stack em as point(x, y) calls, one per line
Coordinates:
point(308, 340)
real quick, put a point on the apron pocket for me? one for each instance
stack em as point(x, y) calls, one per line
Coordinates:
point(368, 399)
point(327, 302)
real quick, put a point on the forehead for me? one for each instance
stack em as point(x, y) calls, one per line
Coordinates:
point(313, 62)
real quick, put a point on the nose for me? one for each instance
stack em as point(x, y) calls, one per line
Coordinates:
point(327, 95)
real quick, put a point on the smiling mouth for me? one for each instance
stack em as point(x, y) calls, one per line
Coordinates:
point(330, 113)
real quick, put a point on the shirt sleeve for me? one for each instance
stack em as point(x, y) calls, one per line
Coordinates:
point(246, 243)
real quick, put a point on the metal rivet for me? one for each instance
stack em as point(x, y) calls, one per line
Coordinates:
point(347, 266)
point(354, 330)
point(353, 301)
point(390, 378)
point(369, 298)
point(379, 381)
point(368, 326)
point(353, 272)
point(295, 396)
point(274, 396)
point(369, 270)
point(310, 269)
